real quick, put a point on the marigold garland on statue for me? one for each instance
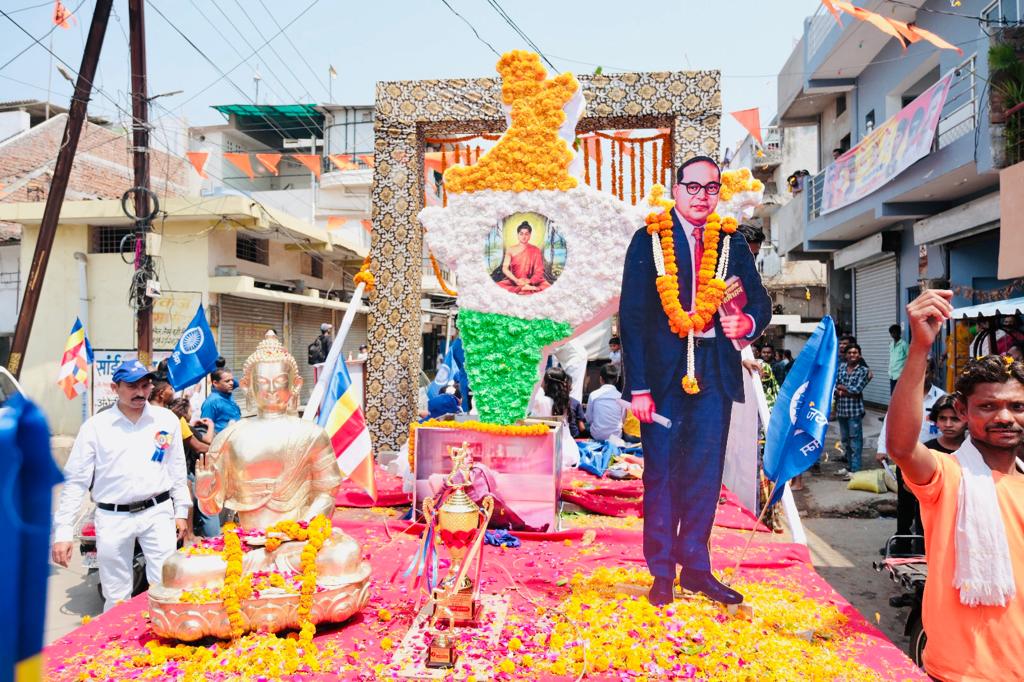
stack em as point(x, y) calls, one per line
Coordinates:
point(231, 594)
point(710, 289)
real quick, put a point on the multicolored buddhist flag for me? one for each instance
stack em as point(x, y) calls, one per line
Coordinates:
point(74, 364)
point(342, 418)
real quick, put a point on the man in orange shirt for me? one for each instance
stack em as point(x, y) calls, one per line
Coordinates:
point(972, 505)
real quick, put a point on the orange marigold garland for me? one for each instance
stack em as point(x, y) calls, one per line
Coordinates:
point(364, 276)
point(318, 531)
point(232, 592)
point(710, 289)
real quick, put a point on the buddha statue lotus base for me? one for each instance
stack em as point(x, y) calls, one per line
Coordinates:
point(273, 580)
point(270, 612)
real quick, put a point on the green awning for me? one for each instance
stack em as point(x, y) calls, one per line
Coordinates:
point(272, 122)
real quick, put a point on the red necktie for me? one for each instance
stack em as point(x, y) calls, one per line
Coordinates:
point(698, 247)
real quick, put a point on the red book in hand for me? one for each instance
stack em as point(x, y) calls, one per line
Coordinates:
point(733, 303)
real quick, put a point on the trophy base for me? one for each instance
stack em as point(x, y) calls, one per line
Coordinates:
point(460, 609)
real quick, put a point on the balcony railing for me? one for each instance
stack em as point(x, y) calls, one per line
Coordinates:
point(818, 27)
point(815, 190)
point(960, 113)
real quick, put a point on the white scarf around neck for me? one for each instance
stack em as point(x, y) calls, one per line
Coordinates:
point(983, 572)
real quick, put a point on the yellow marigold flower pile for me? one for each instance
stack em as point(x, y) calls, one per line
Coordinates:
point(740, 180)
point(692, 638)
point(531, 155)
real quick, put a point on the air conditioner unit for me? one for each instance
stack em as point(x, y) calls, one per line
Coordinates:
point(226, 271)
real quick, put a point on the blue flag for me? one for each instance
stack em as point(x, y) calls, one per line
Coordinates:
point(195, 356)
point(796, 432)
point(27, 475)
point(447, 371)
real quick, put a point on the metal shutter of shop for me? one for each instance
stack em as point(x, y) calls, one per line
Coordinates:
point(877, 307)
point(305, 322)
point(243, 323)
point(356, 334)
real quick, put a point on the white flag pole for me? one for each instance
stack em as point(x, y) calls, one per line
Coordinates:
point(796, 527)
point(313, 405)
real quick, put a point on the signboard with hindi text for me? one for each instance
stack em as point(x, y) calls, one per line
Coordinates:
point(887, 151)
point(172, 313)
point(105, 362)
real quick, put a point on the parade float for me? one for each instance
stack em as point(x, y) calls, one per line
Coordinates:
point(370, 597)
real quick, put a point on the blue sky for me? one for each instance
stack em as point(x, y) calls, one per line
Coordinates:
point(748, 40)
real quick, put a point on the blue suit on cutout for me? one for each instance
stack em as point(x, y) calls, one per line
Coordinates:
point(682, 465)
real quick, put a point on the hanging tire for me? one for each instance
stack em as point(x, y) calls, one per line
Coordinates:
point(918, 640)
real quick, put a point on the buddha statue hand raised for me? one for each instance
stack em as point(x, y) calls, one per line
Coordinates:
point(280, 475)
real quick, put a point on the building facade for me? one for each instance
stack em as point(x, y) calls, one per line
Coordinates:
point(250, 266)
point(935, 222)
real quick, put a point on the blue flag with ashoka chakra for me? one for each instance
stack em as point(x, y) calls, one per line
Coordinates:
point(195, 354)
point(796, 431)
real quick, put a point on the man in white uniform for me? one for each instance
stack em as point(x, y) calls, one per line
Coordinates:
point(131, 458)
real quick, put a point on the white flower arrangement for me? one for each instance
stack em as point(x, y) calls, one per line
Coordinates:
point(597, 228)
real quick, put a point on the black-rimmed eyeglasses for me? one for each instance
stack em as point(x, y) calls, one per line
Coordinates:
point(710, 189)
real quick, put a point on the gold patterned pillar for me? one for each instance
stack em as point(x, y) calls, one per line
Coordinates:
point(396, 253)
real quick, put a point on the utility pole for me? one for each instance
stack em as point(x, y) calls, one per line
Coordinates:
point(59, 185)
point(140, 153)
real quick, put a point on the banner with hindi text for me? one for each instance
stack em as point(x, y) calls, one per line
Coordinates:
point(887, 151)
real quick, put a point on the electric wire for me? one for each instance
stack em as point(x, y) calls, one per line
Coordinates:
point(471, 27)
point(515, 27)
point(30, 45)
point(297, 51)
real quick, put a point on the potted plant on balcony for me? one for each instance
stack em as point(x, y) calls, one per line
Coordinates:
point(1006, 69)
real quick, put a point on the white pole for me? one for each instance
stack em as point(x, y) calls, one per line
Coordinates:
point(796, 527)
point(83, 314)
point(317, 396)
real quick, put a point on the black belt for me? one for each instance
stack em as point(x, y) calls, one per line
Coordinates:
point(133, 507)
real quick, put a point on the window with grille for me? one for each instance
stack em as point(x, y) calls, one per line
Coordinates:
point(252, 249)
point(107, 238)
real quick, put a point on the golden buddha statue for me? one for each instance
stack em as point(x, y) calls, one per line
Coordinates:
point(278, 472)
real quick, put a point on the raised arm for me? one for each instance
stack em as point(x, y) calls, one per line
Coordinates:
point(926, 315)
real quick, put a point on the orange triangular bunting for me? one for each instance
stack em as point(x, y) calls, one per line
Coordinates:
point(750, 119)
point(310, 161)
point(198, 161)
point(367, 159)
point(242, 162)
point(335, 221)
point(367, 225)
point(269, 161)
point(934, 39)
point(341, 163)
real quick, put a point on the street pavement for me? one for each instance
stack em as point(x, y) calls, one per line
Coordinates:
point(846, 528)
point(71, 594)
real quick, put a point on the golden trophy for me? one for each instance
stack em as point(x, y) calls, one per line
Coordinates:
point(459, 525)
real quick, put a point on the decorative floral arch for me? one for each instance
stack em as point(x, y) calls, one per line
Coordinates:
point(688, 104)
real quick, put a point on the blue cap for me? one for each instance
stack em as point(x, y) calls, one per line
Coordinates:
point(130, 371)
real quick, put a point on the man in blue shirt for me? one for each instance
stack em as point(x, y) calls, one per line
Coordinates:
point(220, 407)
